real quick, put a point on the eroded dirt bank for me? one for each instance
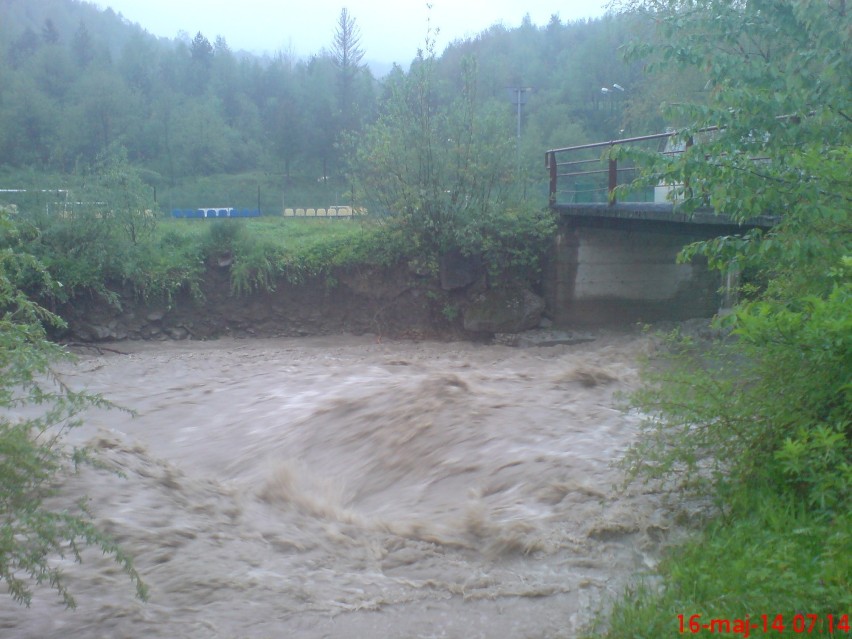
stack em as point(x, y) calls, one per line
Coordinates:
point(340, 487)
point(395, 302)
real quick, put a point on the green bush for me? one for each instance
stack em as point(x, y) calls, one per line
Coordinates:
point(295, 250)
point(512, 241)
point(760, 419)
point(223, 235)
point(158, 269)
point(772, 403)
point(33, 455)
point(258, 264)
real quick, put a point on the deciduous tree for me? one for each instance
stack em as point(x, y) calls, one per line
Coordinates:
point(778, 406)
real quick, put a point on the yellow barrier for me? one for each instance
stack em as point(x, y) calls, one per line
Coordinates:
point(331, 211)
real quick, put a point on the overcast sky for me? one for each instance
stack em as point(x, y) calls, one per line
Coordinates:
point(391, 30)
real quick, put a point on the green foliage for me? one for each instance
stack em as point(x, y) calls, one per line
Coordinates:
point(92, 248)
point(439, 167)
point(760, 418)
point(78, 252)
point(446, 174)
point(166, 264)
point(512, 240)
point(347, 52)
point(187, 108)
point(450, 312)
point(771, 404)
point(223, 234)
point(248, 190)
point(299, 250)
point(258, 262)
point(86, 252)
point(122, 196)
point(769, 557)
point(776, 398)
point(96, 239)
point(780, 144)
point(33, 456)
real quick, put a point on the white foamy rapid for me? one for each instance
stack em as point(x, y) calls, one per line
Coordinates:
point(336, 487)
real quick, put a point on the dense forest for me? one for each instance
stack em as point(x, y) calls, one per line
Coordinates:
point(76, 82)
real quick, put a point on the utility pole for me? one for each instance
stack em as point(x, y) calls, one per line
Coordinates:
point(519, 97)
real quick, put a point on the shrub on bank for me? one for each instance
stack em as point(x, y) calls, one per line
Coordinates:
point(760, 422)
point(34, 456)
point(89, 254)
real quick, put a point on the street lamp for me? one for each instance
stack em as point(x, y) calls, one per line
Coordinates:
point(612, 92)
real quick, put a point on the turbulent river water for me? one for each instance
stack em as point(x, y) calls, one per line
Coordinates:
point(340, 487)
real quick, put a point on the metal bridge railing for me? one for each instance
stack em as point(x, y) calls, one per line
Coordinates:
point(585, 174)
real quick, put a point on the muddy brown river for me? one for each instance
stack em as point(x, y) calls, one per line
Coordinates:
point(339, 487)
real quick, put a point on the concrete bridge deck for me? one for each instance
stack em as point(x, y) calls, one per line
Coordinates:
point(655, 214)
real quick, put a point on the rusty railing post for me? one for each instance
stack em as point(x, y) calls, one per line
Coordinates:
point(613, 180)
point(550, 159)
point(687, 190)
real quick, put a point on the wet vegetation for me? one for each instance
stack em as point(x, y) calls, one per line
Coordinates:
point(757, 421)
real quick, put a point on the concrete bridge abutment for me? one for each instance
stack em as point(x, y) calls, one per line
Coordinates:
point(607, 271)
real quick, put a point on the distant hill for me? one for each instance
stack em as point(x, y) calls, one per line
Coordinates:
point(77, 81)
point(19, 18)
point(24, 19)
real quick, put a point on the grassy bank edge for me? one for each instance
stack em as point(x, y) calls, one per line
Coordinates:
point(767, 561)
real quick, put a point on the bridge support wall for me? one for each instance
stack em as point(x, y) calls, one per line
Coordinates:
point(620, 272)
